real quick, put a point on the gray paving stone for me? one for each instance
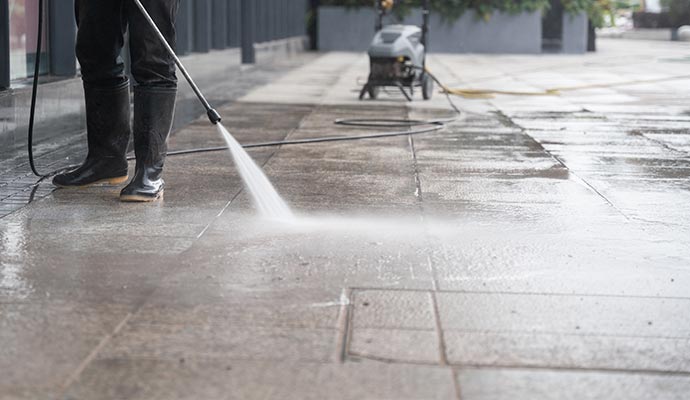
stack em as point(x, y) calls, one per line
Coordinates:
point(220, 339)
point(390, 309)
point(49, 340)
point(395, 345)
point(95, 279)
point(248, 380)
point(185, 304)
point(497, 384)
point(546, 350)
point(565, 314)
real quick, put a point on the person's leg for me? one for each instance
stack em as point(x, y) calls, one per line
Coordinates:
point(100, 37)
point(154, 96)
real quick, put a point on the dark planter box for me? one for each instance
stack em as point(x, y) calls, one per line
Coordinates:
point(351, 29)
point(651, 20)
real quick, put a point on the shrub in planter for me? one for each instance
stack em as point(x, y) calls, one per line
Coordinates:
point(451, 10)
point(679, 11)
point(644, 19)
point(598, 11)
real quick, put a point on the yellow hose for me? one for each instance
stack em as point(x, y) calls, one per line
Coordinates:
point(490, 93)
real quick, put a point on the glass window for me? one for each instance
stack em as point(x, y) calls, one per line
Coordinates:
point(23, 34)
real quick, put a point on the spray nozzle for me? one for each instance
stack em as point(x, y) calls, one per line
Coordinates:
point(213, 116)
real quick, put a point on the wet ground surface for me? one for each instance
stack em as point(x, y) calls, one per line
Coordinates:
point(538, 248)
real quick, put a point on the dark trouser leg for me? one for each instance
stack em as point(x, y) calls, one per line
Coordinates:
point(106, 93)
point(154, 96)
point(100, 38)
point(151, 63)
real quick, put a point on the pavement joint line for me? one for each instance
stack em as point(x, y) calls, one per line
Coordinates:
point(503, 292)
point(388, 360)
point(556, 333)
point(631, 371)
point(509, 122)
point(225, 207)
point(346, 353)
point(407, 329)
point(434, 273)
point(659, 222)
point(456, 383)
point(418, 194)
point(443, 358)
point(547, 368)
point(420, 204)
point(663, 144)
point(343, 324)
point(418, 182)
point(589, 185)
point(74, 376)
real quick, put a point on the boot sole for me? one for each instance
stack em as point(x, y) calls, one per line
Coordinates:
point(103, 182)
point(133, 198)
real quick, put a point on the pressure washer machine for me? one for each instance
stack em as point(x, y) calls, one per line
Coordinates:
point(398, 56)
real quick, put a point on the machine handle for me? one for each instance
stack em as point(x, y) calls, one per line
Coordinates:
point(425, 24)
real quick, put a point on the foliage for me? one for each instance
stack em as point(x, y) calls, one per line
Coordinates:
point(451, 10)
point(599, 11)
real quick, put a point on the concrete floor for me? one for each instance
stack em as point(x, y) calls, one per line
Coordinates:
point(537, 249)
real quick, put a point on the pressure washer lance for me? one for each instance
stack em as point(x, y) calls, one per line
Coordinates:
point(212, 114)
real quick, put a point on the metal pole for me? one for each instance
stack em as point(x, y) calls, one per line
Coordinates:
point(379, 15)
point(203, 16)
point(62, 34)
point(219, 17)
point(234, 23)
point(184, 28)
point(213, 115)
point(425, 24)
point(4, 44)
point(247, 21)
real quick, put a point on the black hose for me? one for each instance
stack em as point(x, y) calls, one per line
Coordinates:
point(435, 127)
point(32, 108)
point(34, 89)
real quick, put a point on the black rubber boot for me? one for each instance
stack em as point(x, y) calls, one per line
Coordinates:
point(107, 132)
point(153, 116)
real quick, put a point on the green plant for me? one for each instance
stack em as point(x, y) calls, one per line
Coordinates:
point(451, 10)
point(598, 11)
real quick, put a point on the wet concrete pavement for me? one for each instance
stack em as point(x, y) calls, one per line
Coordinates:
point(539, 248)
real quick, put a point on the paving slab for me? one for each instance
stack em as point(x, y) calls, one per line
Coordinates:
point(155, 379)
point(498, 384)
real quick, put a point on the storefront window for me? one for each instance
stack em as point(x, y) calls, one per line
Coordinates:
point(23, 34)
